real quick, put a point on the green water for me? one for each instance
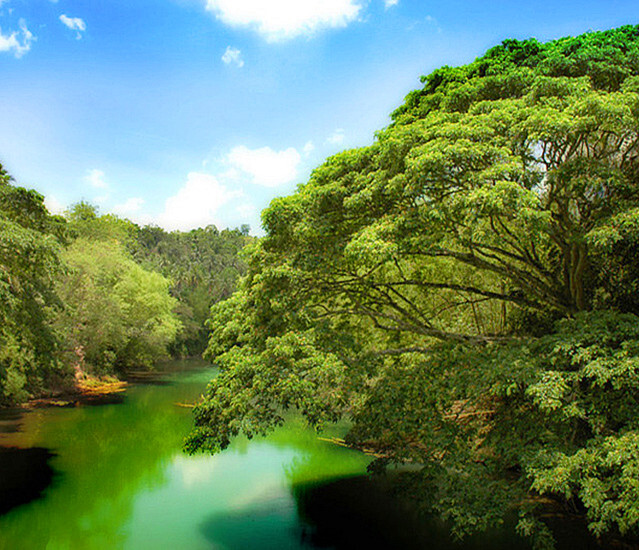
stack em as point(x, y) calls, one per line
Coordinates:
point(122, 481)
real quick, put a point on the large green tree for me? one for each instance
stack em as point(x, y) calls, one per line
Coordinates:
point(118, 315)
point(30, 243)
point(462, 290)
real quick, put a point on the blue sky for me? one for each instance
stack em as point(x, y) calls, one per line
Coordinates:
point(189, 112)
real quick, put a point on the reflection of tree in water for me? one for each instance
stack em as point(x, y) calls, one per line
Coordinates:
point(10, 420)
point(25, 474)
point(106, 455)
point(297, 491)
point(270, 520)
point(369, 512)
point(361, 512)
point(260, 526)
point(339, 507)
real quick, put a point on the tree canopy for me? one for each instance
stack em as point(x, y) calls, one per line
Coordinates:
point(30, 245)
point(90, 293)
point(203, 265)
point(463, 291)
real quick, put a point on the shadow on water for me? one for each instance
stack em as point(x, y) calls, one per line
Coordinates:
point(147, 378)
point(341, 514)
point(164, 372)
point(26, 473)
point(10, 420)
point(108, 456)
point(260, 526)
point(107, 399)
point(334, 506)
point(362, 512)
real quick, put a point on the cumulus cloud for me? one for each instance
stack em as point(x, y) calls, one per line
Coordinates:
point(246, 211)
point(390, 3)
point(54, 205)
point(75, 24)
point(233, 56)
point(95, 178)
point(278, 20)
point(218, 194)
point(196, 204)
point(18, 42)
point(265, 166)
point(128, 207)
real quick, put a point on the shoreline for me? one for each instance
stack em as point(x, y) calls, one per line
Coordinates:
point(86, 390)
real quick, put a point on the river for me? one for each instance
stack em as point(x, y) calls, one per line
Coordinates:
point(114, 476)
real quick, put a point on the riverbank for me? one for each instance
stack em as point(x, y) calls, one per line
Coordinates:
point(86, 389)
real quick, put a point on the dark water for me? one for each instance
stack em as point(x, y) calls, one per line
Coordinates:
point(114, 476)
point(24, 475)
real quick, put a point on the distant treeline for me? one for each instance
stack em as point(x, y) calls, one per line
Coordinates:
point(95, 294)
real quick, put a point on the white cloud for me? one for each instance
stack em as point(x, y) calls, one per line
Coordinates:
point(246, 211)
point(196, 204)
point(233, 55)
point(278, 20)
point(75, 24)
point(337, 138)
point(54, 205)
point(390, 3)
point(17, 42)
point(128, 207)
point(95, 178)
point(267, 167)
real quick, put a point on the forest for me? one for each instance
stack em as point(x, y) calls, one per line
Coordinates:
point(464, 292)
point(87, 296)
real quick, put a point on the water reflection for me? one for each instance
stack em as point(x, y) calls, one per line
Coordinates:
point(10, 420)
point(123, 482)
point(361, 512)
point(25, 474)
point(265, 525)
point(105, 456)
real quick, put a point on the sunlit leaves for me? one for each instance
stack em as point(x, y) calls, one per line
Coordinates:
point(424, 275)
point(117, 314)
point(29, 262)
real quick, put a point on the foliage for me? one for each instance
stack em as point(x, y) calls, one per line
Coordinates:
point(86, 222)
point(87, 292)
point(588, 385)
point(30, 241)
point(118, 315)
point(448, 289)
point(203, 266)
